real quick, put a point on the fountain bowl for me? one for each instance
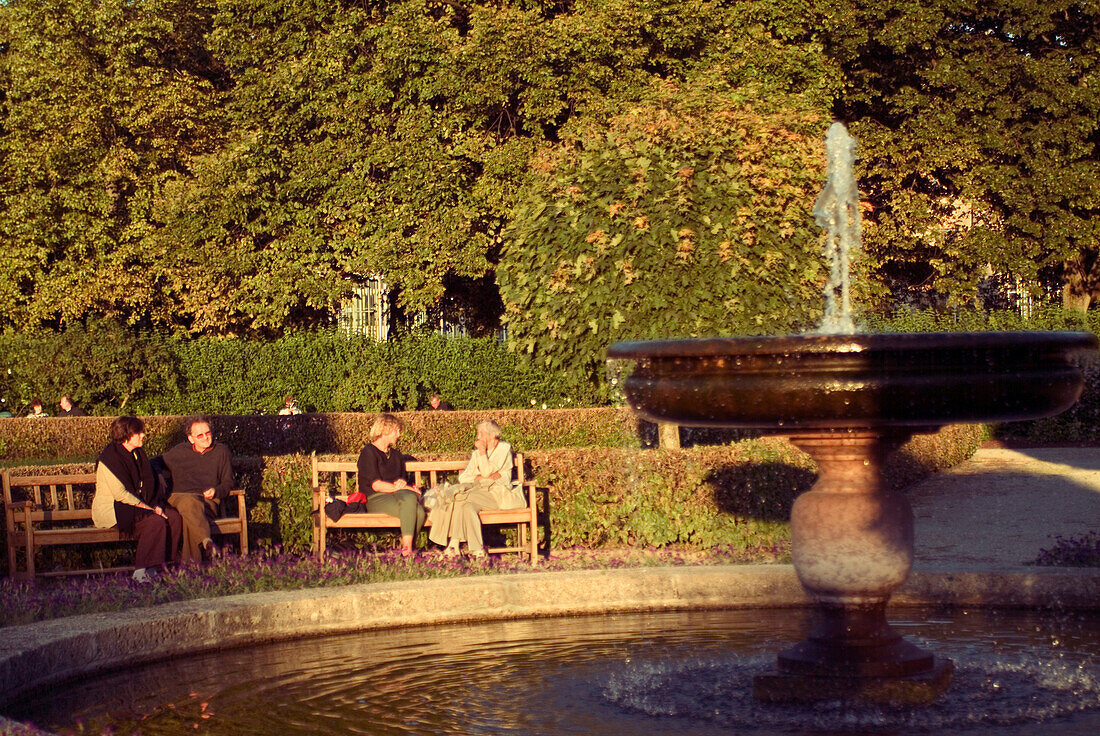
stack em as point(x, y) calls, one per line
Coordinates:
point(849, 401)
point(917, 380)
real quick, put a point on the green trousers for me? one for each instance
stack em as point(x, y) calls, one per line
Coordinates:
point(405, 505)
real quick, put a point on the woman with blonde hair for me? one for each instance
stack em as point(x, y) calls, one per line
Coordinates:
point(382, 479)
point(485, 483)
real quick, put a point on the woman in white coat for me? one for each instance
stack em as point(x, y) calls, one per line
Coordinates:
point(485, 483)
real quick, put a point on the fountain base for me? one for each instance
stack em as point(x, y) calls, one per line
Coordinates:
point(852, 653)
point(922, 689)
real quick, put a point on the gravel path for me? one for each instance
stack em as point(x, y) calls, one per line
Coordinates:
point(1001, 507)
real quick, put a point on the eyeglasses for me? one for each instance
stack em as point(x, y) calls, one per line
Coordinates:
point(200, 435)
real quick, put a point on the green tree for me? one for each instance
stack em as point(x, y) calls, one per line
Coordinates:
point(103, 100)
point(979, 124)
point(233, 167)
point(368, 140)
point(687, 213)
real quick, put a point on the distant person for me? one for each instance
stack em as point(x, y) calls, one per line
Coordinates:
point(290, 407)
point(36, 410)
point(202, 475)
point(436, 403)
point(69, 409)
point(382, 480)
point(128, 497)
point(485, 483)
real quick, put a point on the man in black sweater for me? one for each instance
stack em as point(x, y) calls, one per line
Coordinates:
point(69, 409)
point(202, 475)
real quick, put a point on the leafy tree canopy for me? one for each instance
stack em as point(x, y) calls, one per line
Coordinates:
point(234, 166)
point(979, 127)
point(687, 212)
point(104, 101)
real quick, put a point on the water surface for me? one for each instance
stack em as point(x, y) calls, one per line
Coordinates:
point(628, 675)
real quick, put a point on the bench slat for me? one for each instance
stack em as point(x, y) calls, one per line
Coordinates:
point(61, 515)
point(45, 480)
point(76, 535)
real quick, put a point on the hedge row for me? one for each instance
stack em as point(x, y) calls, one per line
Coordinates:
point(345, 433)
point(111, 369)
point(738, 495)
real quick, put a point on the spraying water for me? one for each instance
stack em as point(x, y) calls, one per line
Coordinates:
point(837, 210)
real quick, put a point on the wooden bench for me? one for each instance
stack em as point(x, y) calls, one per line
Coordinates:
point(426, 474)
point(56, 510)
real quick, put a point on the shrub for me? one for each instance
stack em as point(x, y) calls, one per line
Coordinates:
point(1077, 551)
point(102, 366)
point(739, 494)
point(111, 369)
point(736, 495)
point(449, 432)
point(686, 212)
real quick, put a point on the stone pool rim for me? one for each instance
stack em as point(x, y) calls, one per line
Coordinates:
point(46, 653)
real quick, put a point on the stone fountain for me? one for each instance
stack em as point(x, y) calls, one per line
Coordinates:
point(849, 400)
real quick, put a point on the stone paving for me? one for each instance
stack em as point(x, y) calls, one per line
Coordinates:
point(1003, 506)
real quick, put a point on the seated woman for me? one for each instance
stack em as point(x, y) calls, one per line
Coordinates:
point(127, 496)
point(485, 483)
point(382, 480)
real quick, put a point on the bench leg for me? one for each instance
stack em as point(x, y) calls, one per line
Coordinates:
point(13, 571)
point(533, 542)
point(319, 532)
point(28, 532)
point(244, 526)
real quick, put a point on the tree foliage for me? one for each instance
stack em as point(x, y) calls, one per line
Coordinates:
point(104, 100)
point(979, 127)
point(236, 166)
point(686, 213)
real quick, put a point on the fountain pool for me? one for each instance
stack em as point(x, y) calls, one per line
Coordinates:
point(622, 675)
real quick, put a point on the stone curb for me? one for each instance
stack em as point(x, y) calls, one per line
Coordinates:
point(45, 653)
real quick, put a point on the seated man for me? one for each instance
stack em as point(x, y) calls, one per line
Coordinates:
point(69, 409)
point(202, 475)
point(436, 403)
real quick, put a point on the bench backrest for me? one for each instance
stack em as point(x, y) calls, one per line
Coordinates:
point(426, 473)
point(55, 497)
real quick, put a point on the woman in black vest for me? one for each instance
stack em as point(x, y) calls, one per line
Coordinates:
point(127, 496)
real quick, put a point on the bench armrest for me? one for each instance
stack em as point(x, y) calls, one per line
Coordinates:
point(19, 505)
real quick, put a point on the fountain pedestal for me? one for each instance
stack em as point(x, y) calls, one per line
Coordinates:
point(852, 546)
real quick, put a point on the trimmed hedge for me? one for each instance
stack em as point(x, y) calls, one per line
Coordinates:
point(738, 495)
point(111, 369)
point(447, 432)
